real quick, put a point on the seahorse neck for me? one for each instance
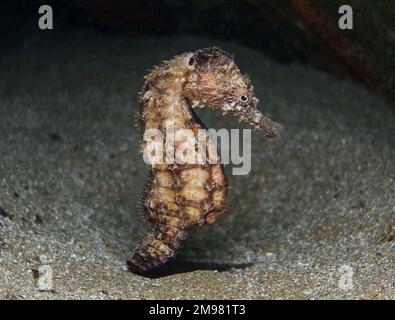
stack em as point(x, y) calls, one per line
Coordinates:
point(173, 107)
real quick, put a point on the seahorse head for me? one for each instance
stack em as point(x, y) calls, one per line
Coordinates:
point(214, 81)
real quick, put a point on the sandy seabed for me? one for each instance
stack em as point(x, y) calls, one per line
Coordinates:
point(317, 204)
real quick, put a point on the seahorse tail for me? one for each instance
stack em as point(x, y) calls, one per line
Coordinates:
point(156, 248)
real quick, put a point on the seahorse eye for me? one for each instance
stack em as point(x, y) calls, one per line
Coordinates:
point(191, 61)
point(244, 98)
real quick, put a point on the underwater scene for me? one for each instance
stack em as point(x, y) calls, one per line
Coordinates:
point(239, 149)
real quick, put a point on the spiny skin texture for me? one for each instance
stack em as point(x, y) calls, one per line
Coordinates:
point(181, 196)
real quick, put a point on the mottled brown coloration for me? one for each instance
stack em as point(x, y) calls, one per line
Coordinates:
point(181, 196)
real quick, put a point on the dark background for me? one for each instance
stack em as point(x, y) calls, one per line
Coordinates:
point(287, 30)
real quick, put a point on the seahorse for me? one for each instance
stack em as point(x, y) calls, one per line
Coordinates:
point(182, 196)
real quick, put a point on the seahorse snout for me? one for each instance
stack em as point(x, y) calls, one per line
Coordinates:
point(255, 118)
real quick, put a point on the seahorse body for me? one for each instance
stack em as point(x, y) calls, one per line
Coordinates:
point(181, 196)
